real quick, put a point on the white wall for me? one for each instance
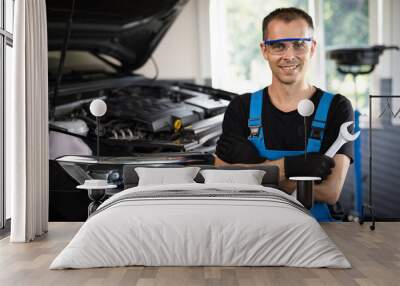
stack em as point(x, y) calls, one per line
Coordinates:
point(317, 74)
point(184, 52)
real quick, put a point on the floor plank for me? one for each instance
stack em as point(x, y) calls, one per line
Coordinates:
point(374, 255)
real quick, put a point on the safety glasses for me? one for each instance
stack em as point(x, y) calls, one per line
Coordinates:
point(279, 46)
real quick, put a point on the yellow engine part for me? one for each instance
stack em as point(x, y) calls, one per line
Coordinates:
point(177, 125)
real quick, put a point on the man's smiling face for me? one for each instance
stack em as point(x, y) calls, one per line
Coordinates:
point(290, 65)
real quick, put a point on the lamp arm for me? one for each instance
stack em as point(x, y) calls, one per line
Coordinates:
point(98, 138)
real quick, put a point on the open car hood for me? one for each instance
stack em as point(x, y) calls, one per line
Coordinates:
point(125, 30)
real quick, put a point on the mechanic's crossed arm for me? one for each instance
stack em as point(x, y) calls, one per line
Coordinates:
point(332, 170)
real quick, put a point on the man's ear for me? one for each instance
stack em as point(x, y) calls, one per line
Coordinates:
point(313, 47)
point(264, 52)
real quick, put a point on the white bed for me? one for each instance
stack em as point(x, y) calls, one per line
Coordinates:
point(245, 225)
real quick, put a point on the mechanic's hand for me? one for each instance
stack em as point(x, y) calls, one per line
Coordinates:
point(316, 165)
point(234, 149)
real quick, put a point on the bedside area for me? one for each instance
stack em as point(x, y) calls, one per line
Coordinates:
point(97, 191)
point(69, 203)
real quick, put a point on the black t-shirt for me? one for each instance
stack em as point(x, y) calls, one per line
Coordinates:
point(282, 130)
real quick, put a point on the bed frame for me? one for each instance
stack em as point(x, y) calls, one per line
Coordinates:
point(270, 179)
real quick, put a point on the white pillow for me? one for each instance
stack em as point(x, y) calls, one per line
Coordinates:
point(165, 176)
point(248, 177)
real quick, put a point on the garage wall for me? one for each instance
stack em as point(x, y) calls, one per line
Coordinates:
point(184, 52)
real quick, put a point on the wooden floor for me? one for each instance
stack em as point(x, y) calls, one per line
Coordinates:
point(375, 257)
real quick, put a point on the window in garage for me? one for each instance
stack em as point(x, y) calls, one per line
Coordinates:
point(346, 23)
point(6, 42)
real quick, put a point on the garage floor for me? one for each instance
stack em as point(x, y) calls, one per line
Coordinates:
point(375, 257)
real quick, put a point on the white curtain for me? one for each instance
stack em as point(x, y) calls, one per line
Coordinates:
point(27, 124)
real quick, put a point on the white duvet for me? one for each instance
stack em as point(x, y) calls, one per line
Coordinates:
point(180, 231)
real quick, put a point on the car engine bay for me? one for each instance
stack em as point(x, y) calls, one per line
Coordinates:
point(145, 117)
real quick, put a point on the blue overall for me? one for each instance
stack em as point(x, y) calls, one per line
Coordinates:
point(320, 210)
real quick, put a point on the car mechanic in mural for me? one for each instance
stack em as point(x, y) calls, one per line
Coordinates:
point(266, 128)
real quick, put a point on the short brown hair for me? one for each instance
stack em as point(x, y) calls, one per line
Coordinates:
point(287, 15)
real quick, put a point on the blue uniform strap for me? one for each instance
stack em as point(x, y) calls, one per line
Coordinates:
point(255, 121)
point(321, 212)
point(322, 111)
point(319, 123)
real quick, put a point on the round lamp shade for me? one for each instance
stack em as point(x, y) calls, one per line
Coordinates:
point(98, 107)
point(305, 107)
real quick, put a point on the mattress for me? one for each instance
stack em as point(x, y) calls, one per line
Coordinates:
point(201, 225)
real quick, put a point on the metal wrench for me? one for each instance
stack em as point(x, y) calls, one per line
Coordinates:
point(343, 137)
